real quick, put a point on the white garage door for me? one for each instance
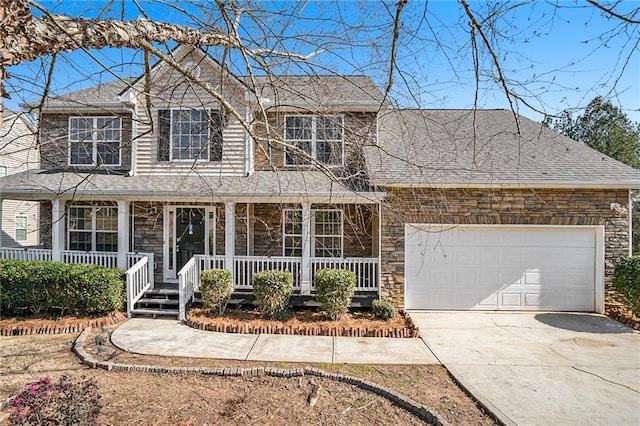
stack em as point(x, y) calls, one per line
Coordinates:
point(502, 267)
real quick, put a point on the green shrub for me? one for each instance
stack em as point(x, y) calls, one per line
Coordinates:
point(216, 287)
point(62, 403)
point(383, 310)
point(273, 290)
point(334, 291)
point(626, 280)
point(33, 287)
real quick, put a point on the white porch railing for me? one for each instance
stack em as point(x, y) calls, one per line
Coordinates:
point(139, 280)
point(210, 262)
point(188, 284)
point(101, 258)
point(246, 266)
point(366, 270)
point(25, 254)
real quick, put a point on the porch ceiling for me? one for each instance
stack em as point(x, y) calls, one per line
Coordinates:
point(262, 186)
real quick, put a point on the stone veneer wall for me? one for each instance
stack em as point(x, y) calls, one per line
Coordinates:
point(497, 206)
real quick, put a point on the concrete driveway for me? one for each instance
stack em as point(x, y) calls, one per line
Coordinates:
point(541, 368)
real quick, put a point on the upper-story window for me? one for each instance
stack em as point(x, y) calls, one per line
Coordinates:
point(321, 138)
point(94, 141)
point(190, 134)
point(3, 171)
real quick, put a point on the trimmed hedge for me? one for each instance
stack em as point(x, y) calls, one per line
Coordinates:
point(273, 290)
point(383, 309)
point(38, 287)
point(626, 280)
point(216, 287)
point(334, 291)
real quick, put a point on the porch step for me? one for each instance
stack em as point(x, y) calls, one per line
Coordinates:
point(159, 301)
point(156, 312)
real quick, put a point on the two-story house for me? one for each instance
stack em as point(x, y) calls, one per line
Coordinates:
point(432, 209)
point(18, 153)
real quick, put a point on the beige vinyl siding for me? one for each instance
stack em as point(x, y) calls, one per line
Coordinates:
point(171, 90)
point(13, 208)
point(17, 154)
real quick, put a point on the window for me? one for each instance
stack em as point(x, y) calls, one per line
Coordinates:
point(187, 135)
point(94, 141)
point(3, 171)
point(293, 233)
point(326, 233)
point(21, 228)
point(321, 138)
point(93, 228)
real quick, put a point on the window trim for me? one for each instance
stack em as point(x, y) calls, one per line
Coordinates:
point(313, 231)
point(4, 170)
point(209, 113)
point(93, 231)
point(314, 140)
point(25, 228)
point(94, 141)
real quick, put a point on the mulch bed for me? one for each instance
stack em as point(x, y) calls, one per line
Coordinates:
point(51, 325)
point(305, 323)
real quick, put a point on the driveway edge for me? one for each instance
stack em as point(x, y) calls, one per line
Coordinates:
point(419, 410)
point(473, 393)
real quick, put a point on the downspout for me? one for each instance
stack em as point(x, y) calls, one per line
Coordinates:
point(248, 162)
point(630, 210)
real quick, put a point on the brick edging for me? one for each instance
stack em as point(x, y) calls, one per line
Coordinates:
point(617, 315)
point(410, 331)
point(421, 411)
point(62, 329)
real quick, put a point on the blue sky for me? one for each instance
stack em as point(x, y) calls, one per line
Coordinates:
point(552, 53)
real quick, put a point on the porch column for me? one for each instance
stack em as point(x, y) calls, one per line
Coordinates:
point(57, 229)
point(123, 233)
point(305, 279)
point(230, 237)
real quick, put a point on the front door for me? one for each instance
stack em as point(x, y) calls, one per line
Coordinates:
point(188, 231)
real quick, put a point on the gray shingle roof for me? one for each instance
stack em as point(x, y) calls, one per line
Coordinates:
point(436, 148)
point(306, 92)
point(319, 92)
point(98, 95)
point(264, 186)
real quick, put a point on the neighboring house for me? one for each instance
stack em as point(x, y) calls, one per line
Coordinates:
point(18, 153)
point(432, 209)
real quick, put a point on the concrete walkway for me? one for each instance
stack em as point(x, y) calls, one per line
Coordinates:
point(170, 338)
point(541, 368)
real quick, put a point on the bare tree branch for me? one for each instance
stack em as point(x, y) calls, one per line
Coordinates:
point(613, 13)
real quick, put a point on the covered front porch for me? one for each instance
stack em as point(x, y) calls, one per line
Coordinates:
point(168, 236)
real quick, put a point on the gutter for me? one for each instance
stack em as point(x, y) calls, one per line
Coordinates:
point(523, 185)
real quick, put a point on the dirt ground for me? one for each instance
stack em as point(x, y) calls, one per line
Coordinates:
point(169, 399)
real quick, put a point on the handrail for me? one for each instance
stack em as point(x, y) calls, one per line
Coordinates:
point(138, 281)
point(188, 284)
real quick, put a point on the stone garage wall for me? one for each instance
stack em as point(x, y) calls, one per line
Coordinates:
point(497, 206)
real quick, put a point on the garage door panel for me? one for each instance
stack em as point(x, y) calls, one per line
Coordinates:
point(497, 267)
